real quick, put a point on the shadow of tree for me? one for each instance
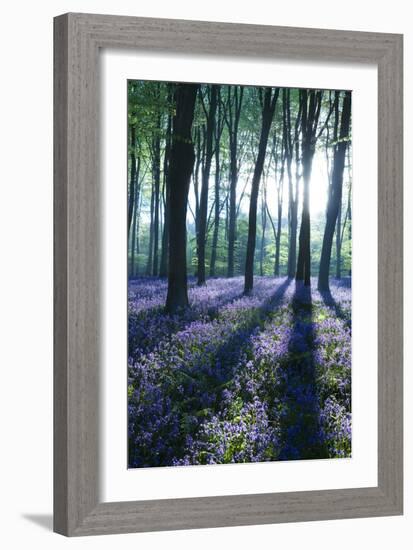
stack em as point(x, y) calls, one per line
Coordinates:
point(231, 350)
point(340, 312)
point(301, 436)
point(200, 387)
point(142, 324)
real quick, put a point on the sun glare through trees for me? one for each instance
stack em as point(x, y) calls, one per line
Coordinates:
point(239, 273)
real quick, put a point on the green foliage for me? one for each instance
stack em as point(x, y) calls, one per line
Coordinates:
point(150, 110)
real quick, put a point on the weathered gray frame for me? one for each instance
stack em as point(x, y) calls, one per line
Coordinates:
point(78, 38)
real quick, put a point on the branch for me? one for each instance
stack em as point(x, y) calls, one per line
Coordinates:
point(327, 119)
point(192, 212)
point(271, 220)
point(208, 227)
point(203, 103)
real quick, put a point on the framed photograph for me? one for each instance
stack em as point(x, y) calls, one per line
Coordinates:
point(228, 274)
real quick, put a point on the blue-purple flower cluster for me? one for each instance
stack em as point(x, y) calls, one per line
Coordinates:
point(239, 378)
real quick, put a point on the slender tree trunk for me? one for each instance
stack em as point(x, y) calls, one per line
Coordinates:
point(181, 164)
point(199, 162)
point(132, 242)
point(132, 183)
point(268, 110)
point(348, 213)
point(338, 243)
point(274, 230)
point(292, 257)
point(334, 199)
point(226, 218)
point(157, 183)
point(349, 228)
point(280, 191)
point(217, 207)
point(278, 239)
point(163, 268)
point(216, 225)
point(311, 106)
point(304, 254)
point(232, 210)
point(264, 226)
point(198, 159)
point(203, 204)
point(137, 242)
point(292, 190)
point(149, 264)
point(135, 221)
point(233, 116)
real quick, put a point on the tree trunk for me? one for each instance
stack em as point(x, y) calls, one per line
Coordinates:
point(216, 221)
point(181, 164)
point(334, 199)
point(292, 192)
point(268, 110)
point(338, 243)
point(135, 221)
point(274, 230)
point(132, 175)
point(264, 226)
point(304, 250)
point(217, 186)
point(280, 188)
point(149, 264)
point(203, 203)
point(217, 207)
point(232, 209)
point(199, 161)
point(279, 220)
point(311, 105)
point(163, 268)
point(157, 183)
point(234, 113)
point(137, 242)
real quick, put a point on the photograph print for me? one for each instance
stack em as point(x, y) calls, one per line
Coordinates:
point(239, 225)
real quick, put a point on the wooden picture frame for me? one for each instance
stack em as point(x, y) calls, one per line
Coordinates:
point(78, 39)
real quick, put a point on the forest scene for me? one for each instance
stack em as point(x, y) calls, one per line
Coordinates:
point(239, 273)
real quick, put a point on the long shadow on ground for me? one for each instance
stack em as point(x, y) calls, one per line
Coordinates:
point(301, 436)
point(203, 386)
point(331, 303)
point(228, 355)
point(148, 326)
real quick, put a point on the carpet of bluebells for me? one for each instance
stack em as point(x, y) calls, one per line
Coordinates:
point(236, 378)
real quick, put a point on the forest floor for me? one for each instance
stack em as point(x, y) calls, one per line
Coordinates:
point(239, 379)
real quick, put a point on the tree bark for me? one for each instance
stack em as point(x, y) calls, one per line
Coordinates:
point(132, 175)
point(149, 265)
point(280, 190)
point(268, 109)
point(206, 169)
point(163, 268)
point(338, 243)
point(157, 183)
point(292, 191)
point(233, 117)
point(199, 161)
point(311, 105)
point(279, 220)
point(217, 208)
point(181, 164)
point(335, 194)
point(264, 227)
point(135, 222)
